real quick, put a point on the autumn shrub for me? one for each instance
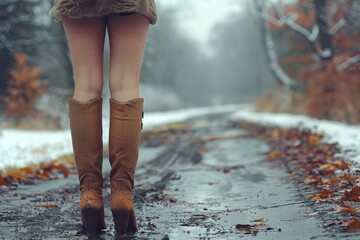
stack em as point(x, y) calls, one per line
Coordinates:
point(331, 94)
point(23, 90)
point(327, 94)
point(22, 94)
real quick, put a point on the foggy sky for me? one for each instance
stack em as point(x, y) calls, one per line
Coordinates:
point(199, 16)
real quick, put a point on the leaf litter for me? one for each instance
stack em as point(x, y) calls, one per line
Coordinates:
point(318, 168)
point(11, 179)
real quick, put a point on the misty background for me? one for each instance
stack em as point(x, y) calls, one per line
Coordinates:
point(200, 53)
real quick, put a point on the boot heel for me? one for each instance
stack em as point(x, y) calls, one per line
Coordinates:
point(121, 220)
point(91, 219)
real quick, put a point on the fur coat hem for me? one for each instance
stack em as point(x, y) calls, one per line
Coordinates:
point(73, 9)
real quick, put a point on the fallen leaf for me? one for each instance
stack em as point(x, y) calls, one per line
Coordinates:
point(17, 176)
point(349, 178)
point(49, 206)
point(3, 182)
point(27, 170)
point(323, 196)
point(314, 139)
point(260, 219)
point(274, 155)
point(64, 170)
point(275, 133)
point(341, 164)
point(346, 209)
point(353, 225)
point(311, 180)
point(328, 166)
point(44, 176)
point(334, 181)
point(353, 195)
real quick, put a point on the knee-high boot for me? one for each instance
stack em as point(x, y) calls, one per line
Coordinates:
point(86, 133)
point(124, 140)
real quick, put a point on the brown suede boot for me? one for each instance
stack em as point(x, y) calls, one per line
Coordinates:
point(86, 132)
point(124, 140)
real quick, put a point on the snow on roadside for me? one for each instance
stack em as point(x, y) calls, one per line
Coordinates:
point(19, 148)
point(348, 136)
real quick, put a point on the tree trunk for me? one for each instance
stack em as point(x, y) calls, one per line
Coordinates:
point(324, 35)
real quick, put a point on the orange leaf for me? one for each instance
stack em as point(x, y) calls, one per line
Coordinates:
point(314, 139)
point(17, 176)
point(341, 164)
point(353, 195)
point(49, 206)
point(349, 177)
point(260, 219)
point(323, 196)
point(275, 133)
point(3, 182)
point(43, 176)
point(346, 209)
point(334, 180)
point(353, 225)
point(64, 170)
point(27, 170)
point(311, 180)
point(274, 155)
point(327, 166)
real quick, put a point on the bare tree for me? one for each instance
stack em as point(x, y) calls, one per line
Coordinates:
point(319, 38)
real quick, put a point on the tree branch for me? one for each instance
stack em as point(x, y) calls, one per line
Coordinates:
point(348, 63)
point(282, 78)
point(289, 21)
point(337, 27)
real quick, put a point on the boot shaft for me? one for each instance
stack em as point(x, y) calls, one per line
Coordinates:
point(86, 132)
point(124, 138)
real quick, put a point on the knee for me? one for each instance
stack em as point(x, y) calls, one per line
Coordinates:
point(91, 84)
point(122, 86)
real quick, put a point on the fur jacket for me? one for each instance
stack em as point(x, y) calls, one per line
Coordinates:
point(64, 9)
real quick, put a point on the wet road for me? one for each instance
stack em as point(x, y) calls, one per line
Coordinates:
point(207, 182)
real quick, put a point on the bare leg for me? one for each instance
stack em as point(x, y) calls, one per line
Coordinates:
point(127, 36)
point(86, 41)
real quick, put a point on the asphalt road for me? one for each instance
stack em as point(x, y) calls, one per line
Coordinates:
point(202, 179)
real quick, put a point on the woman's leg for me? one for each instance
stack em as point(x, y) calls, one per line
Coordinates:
point(86, 42)
point(127, 35)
